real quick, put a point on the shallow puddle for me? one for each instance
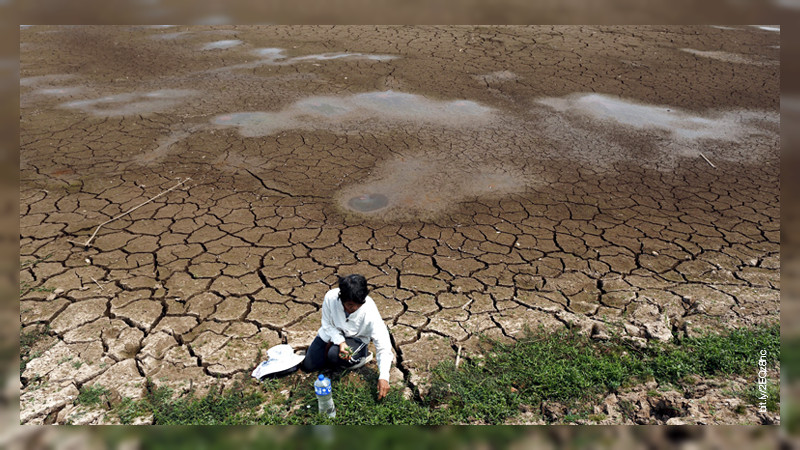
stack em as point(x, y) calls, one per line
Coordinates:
point(400, 105)
point(497, 77)
point(323, 106)
point(272, 56)
point(330, 112)
point(227, 43)
point(723, 56)
point(269, 53)
point(589, 123)
point(331, 56)
point(681, 124)
point(131, 103)
point(368, 202)
point(61, 91)
point(253, 124)
point(421, 186)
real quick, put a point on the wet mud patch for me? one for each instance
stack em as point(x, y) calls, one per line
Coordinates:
point(277, 56)
point(67, 91)
point(499, 76)
point(50, 94)
point(728, 57)
point(341, 55)
point(368, 202)
point(163, 147)
point(425, 187)
point(131, 103)
point(221, 45)
point(734, 136)
point(273, 56)
point(36, 88)
point(341, 113)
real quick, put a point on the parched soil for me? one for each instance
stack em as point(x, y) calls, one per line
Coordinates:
point(483, 179)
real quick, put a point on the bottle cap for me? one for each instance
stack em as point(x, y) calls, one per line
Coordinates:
point(321, 377)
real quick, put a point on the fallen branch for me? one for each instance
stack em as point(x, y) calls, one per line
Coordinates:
point(458, 357)
point(709, 162)
point(86, 244)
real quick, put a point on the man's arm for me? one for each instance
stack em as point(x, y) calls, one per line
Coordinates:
point(329, 332)
point(383, 348)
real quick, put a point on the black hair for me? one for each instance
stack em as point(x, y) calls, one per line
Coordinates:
point(353, 288)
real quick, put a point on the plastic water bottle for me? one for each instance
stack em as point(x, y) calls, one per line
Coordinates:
point(322, 386)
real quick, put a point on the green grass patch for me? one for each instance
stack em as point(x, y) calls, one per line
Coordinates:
point(357, 404)
point(235, 407)
point(92, 395)
point(571, 368)
point(564, 367)
point(129, 409)
point(735, 351)
point(753, 395)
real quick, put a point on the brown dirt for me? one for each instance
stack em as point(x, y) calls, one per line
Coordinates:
point(504, 210)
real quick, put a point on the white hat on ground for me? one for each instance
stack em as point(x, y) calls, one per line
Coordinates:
point(281, 357)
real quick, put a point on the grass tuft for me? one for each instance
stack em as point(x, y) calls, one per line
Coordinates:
point(235, 407)
point(92, 395)
point(357, 404)
point(723, 354)
point(753, 396)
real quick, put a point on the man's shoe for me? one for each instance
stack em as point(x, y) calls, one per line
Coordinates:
point(363, 361)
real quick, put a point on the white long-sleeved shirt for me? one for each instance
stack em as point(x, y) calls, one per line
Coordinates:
point(365, 324)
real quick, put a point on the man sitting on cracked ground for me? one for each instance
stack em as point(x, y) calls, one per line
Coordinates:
point(350, 319)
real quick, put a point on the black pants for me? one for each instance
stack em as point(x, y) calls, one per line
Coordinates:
point(316, 357)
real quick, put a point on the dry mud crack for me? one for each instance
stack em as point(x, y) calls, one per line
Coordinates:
point(482, 179)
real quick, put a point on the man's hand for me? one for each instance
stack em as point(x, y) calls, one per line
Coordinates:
point(383, 389)
point(345, 352)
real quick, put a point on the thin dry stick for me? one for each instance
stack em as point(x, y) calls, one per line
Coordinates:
point(709, 162)
point(98, 284)
point(458, 356)
point(129, 211)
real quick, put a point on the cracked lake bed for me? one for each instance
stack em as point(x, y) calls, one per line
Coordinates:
point(482, 179)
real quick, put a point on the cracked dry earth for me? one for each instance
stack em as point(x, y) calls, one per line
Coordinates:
point(483, 179)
